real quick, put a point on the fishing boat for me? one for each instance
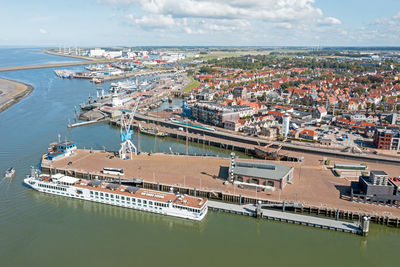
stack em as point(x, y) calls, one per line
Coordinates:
point(97, 80)
point(150, 131)
point(9, 172)
point(172, 204)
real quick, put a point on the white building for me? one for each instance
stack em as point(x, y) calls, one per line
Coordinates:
point(131, 54)
point(285, 124)
point(116, 101)
point(97, 52)
point(113, 54)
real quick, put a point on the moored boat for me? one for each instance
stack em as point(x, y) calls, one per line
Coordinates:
point(178, 205)
point(9, 172)
point(150, 131)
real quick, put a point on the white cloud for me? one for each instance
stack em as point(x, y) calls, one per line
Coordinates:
point(269, 10)
point(329, 21)
point(209, 26)
point(42, 31)
point(153, 21)
point(397, 16)
point(286, 12)
point(285, 25)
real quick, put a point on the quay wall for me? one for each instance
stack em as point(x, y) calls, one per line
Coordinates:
point(232, 198)
point(262, 142)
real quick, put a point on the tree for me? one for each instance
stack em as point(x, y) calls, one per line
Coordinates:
point(398, 107)
point(373, 107)
point(381, 107)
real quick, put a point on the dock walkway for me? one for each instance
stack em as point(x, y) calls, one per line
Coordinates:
point(250, 210)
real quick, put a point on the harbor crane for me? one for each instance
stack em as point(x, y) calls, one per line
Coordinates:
point(126, 134)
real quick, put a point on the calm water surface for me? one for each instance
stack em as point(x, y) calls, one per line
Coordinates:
point(42, 230)
point(29, 56)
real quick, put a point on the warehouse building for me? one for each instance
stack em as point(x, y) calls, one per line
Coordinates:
point(263, 176)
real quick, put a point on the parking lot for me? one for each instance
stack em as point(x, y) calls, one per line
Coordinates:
point(341, 138)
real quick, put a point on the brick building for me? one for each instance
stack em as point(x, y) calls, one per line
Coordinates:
point(263, 176)
point(387, 139)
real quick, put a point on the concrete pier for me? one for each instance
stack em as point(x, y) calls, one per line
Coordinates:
point(250, 210)
point(205, 178)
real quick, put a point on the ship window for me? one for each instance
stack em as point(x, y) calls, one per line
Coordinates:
point(91, 192)
point(122, 198)
point(128, 199)
point(106, 195)
point(133, 199)
point(101, 194)
point(144, 201)
point(139, 201)
point(117, 197)
point(111, 195)
point(150, 202)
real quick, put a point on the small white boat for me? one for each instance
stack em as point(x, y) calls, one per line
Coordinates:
point(9, 172)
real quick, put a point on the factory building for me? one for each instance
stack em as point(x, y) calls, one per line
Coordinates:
point(97, 52)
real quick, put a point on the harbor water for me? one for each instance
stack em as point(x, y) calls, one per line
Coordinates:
point(43, 230)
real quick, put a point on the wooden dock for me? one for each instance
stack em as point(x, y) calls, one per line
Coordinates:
point(250, 210)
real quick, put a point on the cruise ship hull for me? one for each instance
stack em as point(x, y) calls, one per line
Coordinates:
point(90, 195)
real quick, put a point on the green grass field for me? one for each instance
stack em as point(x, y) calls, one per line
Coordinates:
point(192, 85)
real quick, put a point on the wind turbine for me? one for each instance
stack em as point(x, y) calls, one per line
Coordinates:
point(126, 134)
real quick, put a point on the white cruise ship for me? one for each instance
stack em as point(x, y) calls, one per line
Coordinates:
point(183, 206)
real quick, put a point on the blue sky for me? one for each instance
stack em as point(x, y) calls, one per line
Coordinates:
point(200, 22)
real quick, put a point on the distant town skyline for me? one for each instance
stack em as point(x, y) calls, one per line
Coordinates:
point(200, 23)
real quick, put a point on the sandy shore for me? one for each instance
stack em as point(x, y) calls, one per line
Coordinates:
point(11, 92)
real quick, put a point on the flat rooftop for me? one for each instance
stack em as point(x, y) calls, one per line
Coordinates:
point(378, 172)
point(261, 170)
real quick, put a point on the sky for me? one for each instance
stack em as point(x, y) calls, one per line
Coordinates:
point(200, 23)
